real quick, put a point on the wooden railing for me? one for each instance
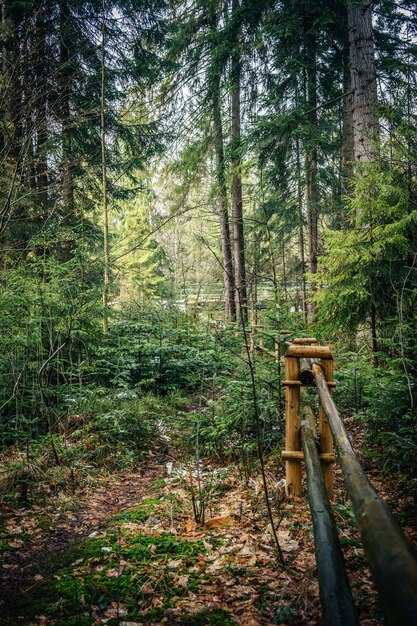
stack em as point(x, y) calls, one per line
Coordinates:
point(390, 556)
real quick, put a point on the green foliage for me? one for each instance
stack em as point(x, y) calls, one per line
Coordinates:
point(110, 432)
point(49, 327)
point(366, 265)
point(384, 399)
point(160, 349)
point(367, 275)
point(225, 423)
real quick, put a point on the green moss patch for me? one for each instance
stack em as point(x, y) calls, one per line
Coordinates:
point(118, 566)
point(217, 617)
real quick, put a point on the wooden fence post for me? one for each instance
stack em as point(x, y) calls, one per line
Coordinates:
point(292, 424)
point(326, 437)
point(297, 374)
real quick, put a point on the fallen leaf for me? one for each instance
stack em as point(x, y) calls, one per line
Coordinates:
point(182, 581)
point(287, 544)
point(112, 573)
point(220, 522)
point(147, 590)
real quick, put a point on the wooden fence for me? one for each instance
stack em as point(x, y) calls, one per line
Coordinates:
point(391, 557)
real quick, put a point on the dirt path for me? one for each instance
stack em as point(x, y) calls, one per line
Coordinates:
point(42, 535)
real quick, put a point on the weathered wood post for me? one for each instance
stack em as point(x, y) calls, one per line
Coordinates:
point(299, 354)
point(325, 433)
point(292, 426)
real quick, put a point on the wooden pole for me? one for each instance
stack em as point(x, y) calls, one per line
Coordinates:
point(266, 351)
point(335, 593)
point(302, 341)
point(309, 352)
point(306, 373)
point(325, 433)
point(392, 563)
point(292, 426)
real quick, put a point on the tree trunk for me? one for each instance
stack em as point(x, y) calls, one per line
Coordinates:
point(230, 304)
point(363, 79)
point(65, 113)
point(12, 107)
point(237, 200)
point(11, 113)
point(284, 268)
point(41, 166)
point(374, 336)
point(347, 147)
point(106, 281)
point(301, 232)
point(312, 194)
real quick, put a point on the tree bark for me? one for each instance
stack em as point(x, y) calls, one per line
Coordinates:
point(237, 200)
point(65, 112)
point(347, 146)
point(312, 193)
point(301, 233)
point(12, 110)
point(374, 336)
point(41, 167)
point(363, 79)
point(230, 304)
point(106, 281)
point(12, 145)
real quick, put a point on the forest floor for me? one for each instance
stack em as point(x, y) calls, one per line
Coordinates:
point(130, 553)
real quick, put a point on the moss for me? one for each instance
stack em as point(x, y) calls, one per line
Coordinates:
point(216, 617)
point(4, 547)
point(154, 615)
point(90, 584)
point(150, 546)
point(6, 537)
point(139, 513)
point(157, 485)
point(43, 521)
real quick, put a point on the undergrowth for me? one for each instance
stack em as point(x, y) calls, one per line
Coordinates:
point(112, 432)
